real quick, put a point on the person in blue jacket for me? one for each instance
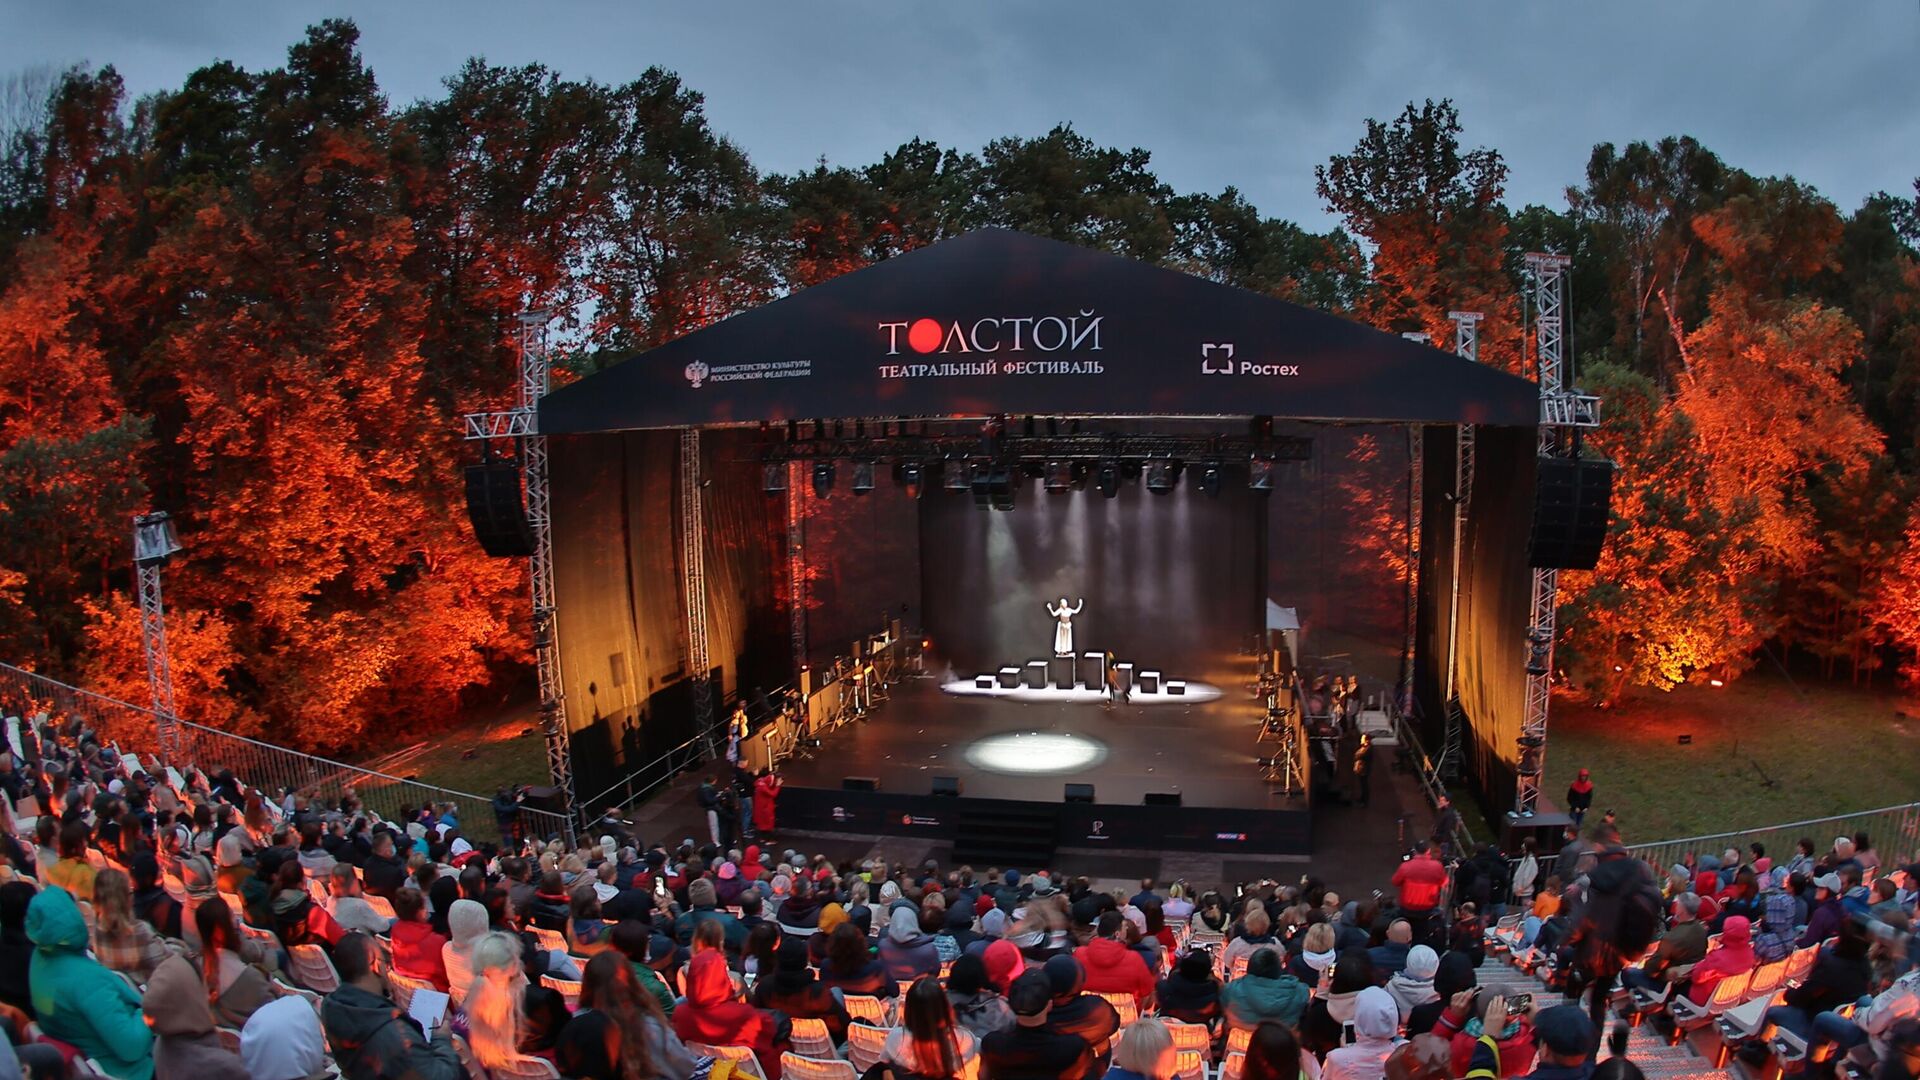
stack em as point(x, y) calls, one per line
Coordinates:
point(77, 999)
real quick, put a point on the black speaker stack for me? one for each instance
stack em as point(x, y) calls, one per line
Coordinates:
point(1572, 498)
point(493, 504)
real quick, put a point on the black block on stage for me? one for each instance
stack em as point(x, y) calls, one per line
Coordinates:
point(946, 785)
point(1161, 798)
point(1572, 498)
point(1079, 793)
point(493, 505)
point(860, 783)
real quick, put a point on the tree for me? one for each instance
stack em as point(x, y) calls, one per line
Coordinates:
point(200, 653)
point(1062, 186)
point(1223, 238)
point(1431, 213)
point(1896, 603)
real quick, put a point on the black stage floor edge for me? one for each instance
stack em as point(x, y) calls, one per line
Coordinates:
point(1011, 803)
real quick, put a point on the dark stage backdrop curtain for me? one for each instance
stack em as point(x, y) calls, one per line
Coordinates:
point(1436, 574)
point(617, 583)
point(863, 562)
point(1492, 676)
point(1170, 581)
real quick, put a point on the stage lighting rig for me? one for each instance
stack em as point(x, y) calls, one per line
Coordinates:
point(1109, 478)
point(862, 477)
point(912, 477)
point(1210, 478)
point(822, 479)
point(773, 477)
point(1059, 476)
point(1260, 473)
point(1162, 473)
point(958, 474)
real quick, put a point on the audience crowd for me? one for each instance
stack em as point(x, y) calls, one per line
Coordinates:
point(164, 921)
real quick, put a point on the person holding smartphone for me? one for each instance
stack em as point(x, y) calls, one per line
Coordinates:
point(371, 1039)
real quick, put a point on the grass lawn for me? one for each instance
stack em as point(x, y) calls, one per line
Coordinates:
point(501, 746)
point(1830, 748)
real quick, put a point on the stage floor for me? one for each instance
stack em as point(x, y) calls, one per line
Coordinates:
point(1002, 748)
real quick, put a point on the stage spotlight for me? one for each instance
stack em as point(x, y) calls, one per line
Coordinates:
point(1210, 478)
point(959, 475)
point(1059, 476)
point(773, 477)
point(822, 478)
point(1109, 479)
point(911, 476)
point(1539, 649)
point(1260, 474)
point(1160, 475)
point(862, 477)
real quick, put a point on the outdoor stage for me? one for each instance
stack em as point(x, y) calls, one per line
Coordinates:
point(1005, 752)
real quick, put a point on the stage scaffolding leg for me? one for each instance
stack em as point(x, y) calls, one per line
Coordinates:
point(693, 570)
point(1466, 343)
point(797, 566)
point(1548, 278)
point(534, 372)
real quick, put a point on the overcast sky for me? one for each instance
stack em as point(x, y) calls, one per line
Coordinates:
point(1251, 94)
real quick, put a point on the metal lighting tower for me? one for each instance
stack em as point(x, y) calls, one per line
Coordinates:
point(1416, 464)
point(154, 541)
point(797, 565)
point(693, 572)
point(523, 422)
point(1559, 408)
point(1466, 343)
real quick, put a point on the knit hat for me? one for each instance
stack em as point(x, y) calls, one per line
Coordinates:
point(700, 893)
point(1043, 885)
point(1004, 962)
point(1013, 877)
point(1028, 996)
point(982, 904)
point(1422, 962)
point(728, 871)
point(889, 892)
point(994, 923)
point(831, 916)
point(782, 885)
point(1065, 975)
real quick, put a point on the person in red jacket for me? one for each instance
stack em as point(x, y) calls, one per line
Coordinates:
point(1733, 956)
point(766, 795)
point(1419, 881)
point(712, 1015)
point(1112, 967)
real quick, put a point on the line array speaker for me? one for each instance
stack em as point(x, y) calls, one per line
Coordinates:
point(493, 505)
point(1572, 499)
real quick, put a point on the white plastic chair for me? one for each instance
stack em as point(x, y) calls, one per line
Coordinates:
point(865, 1042)
point(811, 1038)
point(745, 1063)
point(567, 988)
point(799, 1067)
point(314, 970)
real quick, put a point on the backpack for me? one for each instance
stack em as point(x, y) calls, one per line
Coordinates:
point(1623, 910)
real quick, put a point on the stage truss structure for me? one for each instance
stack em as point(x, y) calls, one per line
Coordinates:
point(522, 422)
point(796, 565)
point(1416, 486)
point(1560, 409)
point(153, 542)
point(693, 578)
point(1466, 344)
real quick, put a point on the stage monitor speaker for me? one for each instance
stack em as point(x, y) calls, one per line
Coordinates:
point(493, 505)
point(1572, 498)
point(1161, 798)
point(946, 785)
point(1079, 793)
point(860, 783)
point(543, 798)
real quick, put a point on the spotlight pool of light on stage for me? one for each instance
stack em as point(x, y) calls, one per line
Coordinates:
point(1035, 752)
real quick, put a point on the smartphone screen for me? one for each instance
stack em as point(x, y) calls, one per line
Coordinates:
point(659, 886)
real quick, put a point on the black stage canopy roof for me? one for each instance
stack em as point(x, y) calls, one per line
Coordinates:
point(998, 321)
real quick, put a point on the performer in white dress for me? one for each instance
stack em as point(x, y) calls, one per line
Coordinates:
point(1063, 630)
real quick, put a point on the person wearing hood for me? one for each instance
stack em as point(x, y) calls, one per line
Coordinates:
point(283, 1041)
point(710, 1014)
point(467, 923)
point(1266, 992)
point(799, 913)
point(1580, 797)
point(1323, 1025)
point(792, 989)
point(1190, 993)
point(955, 934)
point(1733, 956)
point(1376, 1024)
point(1089, 1016)
point(905, 950)
point(1412, 985)
point(78, 1000)
point(1469, 1016)
point(1112, 967)
point(977, 1005)
point(184, 1045)
point(1004, 963)
point(371, 1038)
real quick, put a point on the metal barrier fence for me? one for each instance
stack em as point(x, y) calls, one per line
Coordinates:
point(264, 765)
point(1894, 830)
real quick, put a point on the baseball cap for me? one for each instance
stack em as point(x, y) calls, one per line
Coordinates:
point(1829, 882)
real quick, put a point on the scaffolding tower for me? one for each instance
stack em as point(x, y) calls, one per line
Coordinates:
point(1466, 343)
point(693, 576)
point(522, 422)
